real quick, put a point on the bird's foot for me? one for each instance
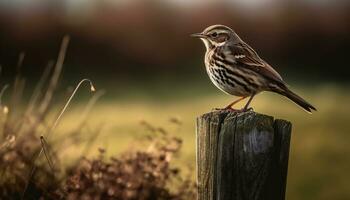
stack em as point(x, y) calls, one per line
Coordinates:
point(234, 110)
point(226, 109)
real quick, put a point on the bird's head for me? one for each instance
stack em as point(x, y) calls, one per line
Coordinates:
point(217, 35)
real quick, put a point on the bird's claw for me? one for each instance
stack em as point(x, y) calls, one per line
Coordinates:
point(234, 110)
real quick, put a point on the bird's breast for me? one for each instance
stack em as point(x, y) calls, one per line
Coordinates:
point(223, 77)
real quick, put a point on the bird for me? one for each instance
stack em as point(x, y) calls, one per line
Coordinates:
point(235, 68)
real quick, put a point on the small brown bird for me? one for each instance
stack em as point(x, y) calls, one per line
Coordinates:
point(235, 68)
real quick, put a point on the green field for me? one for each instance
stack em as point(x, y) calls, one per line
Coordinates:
point(320, 142)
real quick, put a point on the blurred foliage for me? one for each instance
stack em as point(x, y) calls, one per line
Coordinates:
point(142, 174)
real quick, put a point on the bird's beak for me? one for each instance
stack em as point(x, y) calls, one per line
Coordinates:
point(198, 35)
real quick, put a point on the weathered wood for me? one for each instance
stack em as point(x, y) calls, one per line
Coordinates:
point(242, 156)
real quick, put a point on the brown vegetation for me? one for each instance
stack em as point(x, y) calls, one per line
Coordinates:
point(30, 167)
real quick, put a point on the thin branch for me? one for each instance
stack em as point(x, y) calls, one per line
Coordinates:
point(44, 146)
point(33, 168)
point(92, 89)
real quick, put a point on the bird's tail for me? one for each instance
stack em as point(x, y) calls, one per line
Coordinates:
point(298, 100)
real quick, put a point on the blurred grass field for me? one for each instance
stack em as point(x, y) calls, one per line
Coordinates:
point(319, 148)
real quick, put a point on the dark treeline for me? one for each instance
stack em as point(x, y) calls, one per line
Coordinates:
point(153, 37)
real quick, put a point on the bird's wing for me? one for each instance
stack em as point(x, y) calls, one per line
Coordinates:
point(246, 56)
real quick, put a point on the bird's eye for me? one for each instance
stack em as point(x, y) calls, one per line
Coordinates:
point(214, 34)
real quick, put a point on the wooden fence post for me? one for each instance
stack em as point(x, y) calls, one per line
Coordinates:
point(242, 156)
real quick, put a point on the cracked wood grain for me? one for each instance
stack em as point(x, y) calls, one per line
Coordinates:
point(242, 156)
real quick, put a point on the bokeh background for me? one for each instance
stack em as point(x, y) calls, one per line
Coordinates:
point(141, 54)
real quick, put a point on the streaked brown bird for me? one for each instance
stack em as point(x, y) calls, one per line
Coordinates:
point(235, 68)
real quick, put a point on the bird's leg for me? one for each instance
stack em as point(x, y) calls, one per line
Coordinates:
point(229, 107)
point(233, 103)
point(247, 105)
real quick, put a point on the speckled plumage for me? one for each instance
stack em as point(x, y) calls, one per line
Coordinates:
point(236, 69)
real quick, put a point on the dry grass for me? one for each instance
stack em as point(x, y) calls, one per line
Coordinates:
point(30, 161)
